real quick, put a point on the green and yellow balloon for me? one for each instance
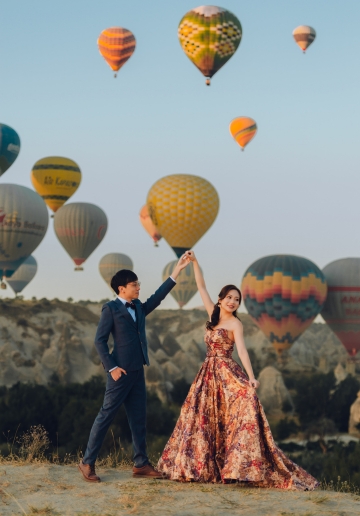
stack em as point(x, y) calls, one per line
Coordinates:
point(209, 36)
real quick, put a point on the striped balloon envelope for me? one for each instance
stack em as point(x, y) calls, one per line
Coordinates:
point(116, 45)
point(209, 36)
point(80, 228)
point(304, 36)
point(56, 179)
point(182, 207)
point(23, 223)
point(185, 287)
point(283, 294)
point(342, 306)
point(243, 130)
point(111, 263)
point(23, 275)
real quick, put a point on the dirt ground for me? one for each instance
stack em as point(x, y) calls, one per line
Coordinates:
point(46, 489)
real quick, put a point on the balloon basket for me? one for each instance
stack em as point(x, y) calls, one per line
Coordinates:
point(156, 244)
point(77, 269)
point(3, 286)
point(52, 216)
point(207, 82)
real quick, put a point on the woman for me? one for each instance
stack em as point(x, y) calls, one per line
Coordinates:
point(222, 434)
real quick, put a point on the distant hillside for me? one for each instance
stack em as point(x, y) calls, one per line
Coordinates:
point(41, 340)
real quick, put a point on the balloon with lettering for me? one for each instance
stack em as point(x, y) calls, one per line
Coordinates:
point(283, 294)
point(182, 207)
point(209, 36)
point(243, 130)
point(304, 36)
point(111, 263)
point(148, 225)
point(116, 45)
point(9, 147)
point(342, 306)
point(23, 275)
point(80, 227)
point(23, 223)
point(56, 179)
point(185, 287)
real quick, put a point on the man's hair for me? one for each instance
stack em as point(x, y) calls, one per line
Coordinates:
point(121, 279)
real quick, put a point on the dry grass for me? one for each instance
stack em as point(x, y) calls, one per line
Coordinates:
point(47, 510)
point(318, 499)
point(340, 486)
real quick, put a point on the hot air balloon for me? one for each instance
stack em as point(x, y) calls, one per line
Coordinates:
point(148, 225)
point(116, 45)
point(111, 263)
point(182, 207)
point(243, 130)
point(9, 147)
point(23, 223)
point(56, 179)
point(209, 36)
point(342, 306)
point(283, 294)
point(23, 275)
point(185, 287)
point(304, 36)
point(80, 227)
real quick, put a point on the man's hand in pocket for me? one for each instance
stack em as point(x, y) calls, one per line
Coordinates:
point(117, 373)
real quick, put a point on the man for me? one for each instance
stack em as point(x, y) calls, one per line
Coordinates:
point(124, 318)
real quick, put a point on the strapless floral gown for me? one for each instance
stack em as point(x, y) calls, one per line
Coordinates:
point(222, 433)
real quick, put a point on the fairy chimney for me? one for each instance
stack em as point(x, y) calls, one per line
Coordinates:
point(354, 421)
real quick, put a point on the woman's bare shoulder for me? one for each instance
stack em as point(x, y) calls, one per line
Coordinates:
point(236, 324)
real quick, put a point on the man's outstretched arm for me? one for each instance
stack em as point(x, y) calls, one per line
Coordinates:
point(154, 300)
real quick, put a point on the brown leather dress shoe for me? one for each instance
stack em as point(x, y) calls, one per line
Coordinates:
point(88, 472)
point(147, 471)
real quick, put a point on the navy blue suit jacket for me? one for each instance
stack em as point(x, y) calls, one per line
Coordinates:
point(130, 344)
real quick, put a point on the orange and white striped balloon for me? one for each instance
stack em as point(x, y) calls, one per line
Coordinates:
point(116, 45)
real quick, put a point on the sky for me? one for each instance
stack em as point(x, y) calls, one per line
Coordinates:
point(294, 190)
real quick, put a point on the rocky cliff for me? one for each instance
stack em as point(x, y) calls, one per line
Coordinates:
point(47, 340)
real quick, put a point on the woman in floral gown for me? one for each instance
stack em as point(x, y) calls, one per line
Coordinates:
point(222, 434)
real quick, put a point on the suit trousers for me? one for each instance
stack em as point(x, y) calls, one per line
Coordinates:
point(129, 389)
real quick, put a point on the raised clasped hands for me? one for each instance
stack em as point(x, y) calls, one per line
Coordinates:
point(191, 255)
point(184, 261)
point(117, 373)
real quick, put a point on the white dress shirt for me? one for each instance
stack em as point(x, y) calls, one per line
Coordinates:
point(132, 313)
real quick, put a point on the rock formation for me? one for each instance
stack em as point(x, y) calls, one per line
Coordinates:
point(354, 421)
point(43, 341)
point(272, 391)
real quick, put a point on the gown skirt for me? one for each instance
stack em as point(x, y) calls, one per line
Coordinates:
point(222, 433)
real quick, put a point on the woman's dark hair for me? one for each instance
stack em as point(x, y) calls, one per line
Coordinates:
point(215, 316)
point(121, 279)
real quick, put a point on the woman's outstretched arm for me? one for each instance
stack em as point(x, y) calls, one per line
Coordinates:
point(243, 354)
point(200, 283)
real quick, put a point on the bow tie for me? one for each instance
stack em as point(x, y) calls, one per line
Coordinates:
point(130, 305)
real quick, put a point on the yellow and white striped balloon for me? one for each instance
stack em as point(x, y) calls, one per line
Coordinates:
point(183, 207)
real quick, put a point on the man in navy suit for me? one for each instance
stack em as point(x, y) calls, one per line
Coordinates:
point(124, 318)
